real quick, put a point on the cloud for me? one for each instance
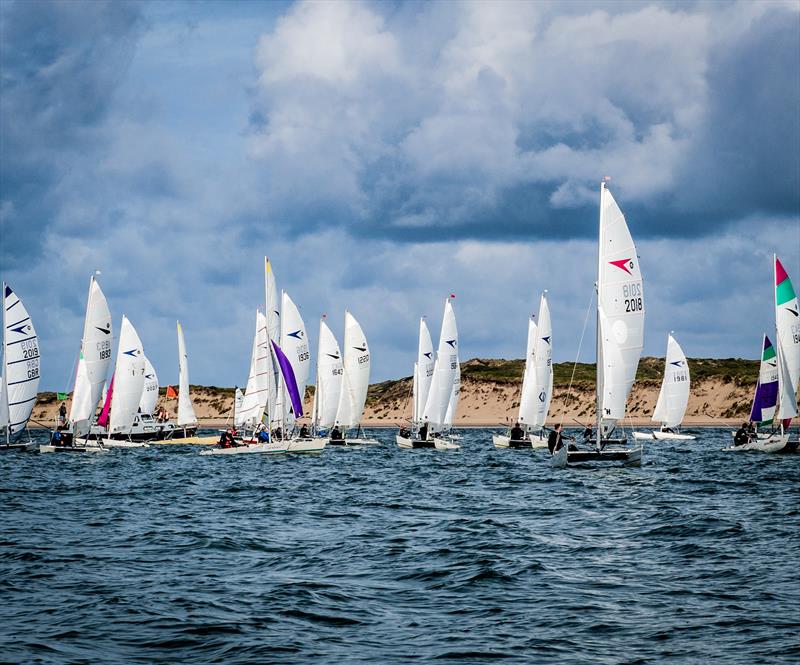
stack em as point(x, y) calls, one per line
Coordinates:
point(525, 106)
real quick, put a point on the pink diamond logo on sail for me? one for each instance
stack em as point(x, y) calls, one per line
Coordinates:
point(623, 264)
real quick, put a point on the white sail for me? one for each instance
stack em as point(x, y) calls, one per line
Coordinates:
point(452, 405)
point(527, 399)
point(674, 395)
point(128, 379)
point(444, 371)
point(787, 329)
point(294, 343)
point(620, 296)
point(272, 302)
point(543, 363)
point(255, 394)
point(21, 366)
point(186, 414)
point(238, 399)
point(355, 380)
point(95, 355)
point(424, 369)
point(147, 403)
point(329, 378)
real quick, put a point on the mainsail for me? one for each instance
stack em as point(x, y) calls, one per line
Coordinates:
point(21, 366)
point(129, 379)
point(147, 403)
point(355, 380)
point(329, 378)
point(787, 329)
point(255, 394)
point(294, 344)
point(620, 312)
point(95, 355)
point(766, 394)
point(186, 414)
point(423, 371)
point(674, 394)
point(444, 372)
point(527, 400)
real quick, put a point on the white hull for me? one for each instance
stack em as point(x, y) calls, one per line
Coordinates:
point(503, 441)
point(408, 443)
point(250, 449)
point(445, 444)
point(79, 447)
point(774, 444)
point(353, 442)
point(188, 441)
point(307, 445)
point(114, 443)
point(658, 435)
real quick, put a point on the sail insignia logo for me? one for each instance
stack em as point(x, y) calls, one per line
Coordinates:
point(335, 356)
point(793, 311)
point(132, 353)
point(677, 363)
point(297, 334)
point(542, 396)
point(148, 376)
point(623, 264)
point(106, 330)
point(22, 330)
point(546, 339)
point(361, 348)
point(428, 355)
point(451, 342)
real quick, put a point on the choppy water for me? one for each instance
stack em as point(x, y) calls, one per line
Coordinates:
point(387, 555)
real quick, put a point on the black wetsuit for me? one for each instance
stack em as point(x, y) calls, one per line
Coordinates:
point(554, 441)
point(517, 433)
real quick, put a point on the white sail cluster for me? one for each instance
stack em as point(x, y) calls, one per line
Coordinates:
point(445, 382)
point(537, 380)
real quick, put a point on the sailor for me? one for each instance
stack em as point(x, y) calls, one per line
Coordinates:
point(277, 434)
point(263, 435)
point(423, 432)
point(742, 435)
point(587, 434)
point(555, 440)
point(304, 432)
point(336, 434)
point(62, 414)
point(517, 433)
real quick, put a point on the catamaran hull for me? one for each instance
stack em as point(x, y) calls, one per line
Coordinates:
point(662, 436)
point(17, 447)
point(116, 443)
point(627, 456)
point(352, 442)
point(775, 443)
point(503, 441)
point(188, 441)
point(445, 444)
point(250, 449)
point(307, 445)
point(85, 447)
point(408, 443)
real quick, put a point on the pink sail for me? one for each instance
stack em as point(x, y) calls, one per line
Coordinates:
point(103, 419)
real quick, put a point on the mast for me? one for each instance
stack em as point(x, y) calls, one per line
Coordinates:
point(598, 350)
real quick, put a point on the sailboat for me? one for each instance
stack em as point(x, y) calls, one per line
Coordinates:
point(328, 386)
point(355, 383)
point(20, 368)
point(779, 374)
point(673, 397)
point(537, 384)
point(428, 423)
point(255, 394)
point(620, 337)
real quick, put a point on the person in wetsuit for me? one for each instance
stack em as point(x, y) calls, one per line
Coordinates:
point(423, 432)
point(304, 432)
point(517, 433)
point(742, 435)
point(336, 433)
point(555, 440)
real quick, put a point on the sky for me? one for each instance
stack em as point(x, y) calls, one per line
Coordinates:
point(385, 155)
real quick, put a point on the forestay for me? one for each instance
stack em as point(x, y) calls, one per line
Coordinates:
point(128, 379)
point(21, 365)
point(674, 394)
point(355, 379)
point(620, 296)
point(186, 414)
point(95, 355)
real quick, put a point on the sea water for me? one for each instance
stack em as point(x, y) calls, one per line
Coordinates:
point(386, 555)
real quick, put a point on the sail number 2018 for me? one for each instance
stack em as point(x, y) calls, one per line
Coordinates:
point(632, 293)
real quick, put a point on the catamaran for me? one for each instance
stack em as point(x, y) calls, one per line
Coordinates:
point(673, 397)
point(620, 336)
point(537, 384)
point(428, 424)
point(21, 370)
point(355, 383)
point(779, 373)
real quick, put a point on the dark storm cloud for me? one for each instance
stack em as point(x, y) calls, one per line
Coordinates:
point(61, 62)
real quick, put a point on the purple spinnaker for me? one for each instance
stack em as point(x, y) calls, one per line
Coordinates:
point(289, 380)
point(766, 398)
